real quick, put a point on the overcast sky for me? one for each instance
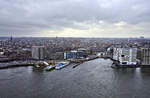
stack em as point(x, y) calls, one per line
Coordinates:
point(75, 18)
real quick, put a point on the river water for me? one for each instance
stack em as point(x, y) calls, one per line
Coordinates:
point(92, 79)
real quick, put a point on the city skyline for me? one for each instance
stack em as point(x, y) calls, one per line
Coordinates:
point(75, 18)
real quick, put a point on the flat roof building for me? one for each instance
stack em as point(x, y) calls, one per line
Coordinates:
point(38, 52)
point(145, 56)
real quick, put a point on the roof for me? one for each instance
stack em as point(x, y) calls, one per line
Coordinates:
point(38, 46)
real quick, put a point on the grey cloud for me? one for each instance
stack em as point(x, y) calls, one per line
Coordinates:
point(26, 16)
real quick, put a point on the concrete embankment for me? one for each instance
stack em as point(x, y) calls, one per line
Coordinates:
point(76, 65)
point(15, 65)
point(80, 61)
point(145, 66)
point(116, 64)
point(125, 66)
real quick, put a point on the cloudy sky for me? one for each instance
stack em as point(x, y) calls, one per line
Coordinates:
point(75, 18)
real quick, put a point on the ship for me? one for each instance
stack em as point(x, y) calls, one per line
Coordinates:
point(62, 65)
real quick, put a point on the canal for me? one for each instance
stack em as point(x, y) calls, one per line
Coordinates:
point(92, 79)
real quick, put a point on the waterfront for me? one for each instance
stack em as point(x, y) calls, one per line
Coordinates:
point(92, 79)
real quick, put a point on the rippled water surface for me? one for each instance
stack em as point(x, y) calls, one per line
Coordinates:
point(92, 79)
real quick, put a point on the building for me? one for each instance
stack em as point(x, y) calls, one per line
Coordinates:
point(71, 54)
point(145, 56)
point(75, 54)
point(113, 49)
point(116, 53)
point(38, 52)
point(126, 56)
point(56, 56)
point(101, 54)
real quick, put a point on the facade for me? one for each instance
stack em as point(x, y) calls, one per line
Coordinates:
point(116, 53)
point(74, 54)
point(71, 54)
point(126, 56)
point(101, 54)
point(57, 56)
point(38, 52)
point(145, 56)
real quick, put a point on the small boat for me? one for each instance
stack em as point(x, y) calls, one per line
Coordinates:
point(49, 68)
point(37, 65)
point(61, 65)
point(45, 63)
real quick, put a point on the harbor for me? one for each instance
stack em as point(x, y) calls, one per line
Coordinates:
point(12, 64)
point(92, 79)
point(53, 63)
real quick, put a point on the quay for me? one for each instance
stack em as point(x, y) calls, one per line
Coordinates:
point(116, 64)
point(13, 64)
point(80, 61)
point(125, 66)
point(77, 65)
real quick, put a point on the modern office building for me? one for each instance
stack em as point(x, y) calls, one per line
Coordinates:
point(38, 52)
point(74, 54)
point(71, 54)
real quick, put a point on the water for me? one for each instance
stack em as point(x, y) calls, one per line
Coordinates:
point(93, 79)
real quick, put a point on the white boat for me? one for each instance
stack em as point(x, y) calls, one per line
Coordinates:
point(61, 65)
point(49, 68)
point(45, 63)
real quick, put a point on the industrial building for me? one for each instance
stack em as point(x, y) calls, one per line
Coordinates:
point(38, 52)
point(126, 56)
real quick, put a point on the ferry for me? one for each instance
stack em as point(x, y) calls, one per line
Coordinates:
point(61, 65)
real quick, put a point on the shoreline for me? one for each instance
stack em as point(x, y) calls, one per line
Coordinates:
point(13, 64)
point(76, 62)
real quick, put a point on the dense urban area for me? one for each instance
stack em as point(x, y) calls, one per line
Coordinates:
point(123, 51)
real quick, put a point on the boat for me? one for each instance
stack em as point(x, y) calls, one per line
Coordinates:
point(49, 68)
point(37, 65)
point(61, 65)
point(45, 63)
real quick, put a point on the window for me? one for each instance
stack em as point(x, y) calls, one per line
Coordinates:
point(124, 63)
point(122, 55)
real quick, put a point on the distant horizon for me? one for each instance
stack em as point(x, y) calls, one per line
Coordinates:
point(66, 37)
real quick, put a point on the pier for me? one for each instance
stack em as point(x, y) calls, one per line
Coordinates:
point(21, 64)
point(80, 61)
point(16, 64)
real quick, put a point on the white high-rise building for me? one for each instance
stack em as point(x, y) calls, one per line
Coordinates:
point(38, 52)
point(126, 56)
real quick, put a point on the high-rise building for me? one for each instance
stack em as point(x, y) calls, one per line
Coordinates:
point(38, 52)
point(126, 56)
point(145, 56)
